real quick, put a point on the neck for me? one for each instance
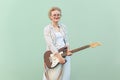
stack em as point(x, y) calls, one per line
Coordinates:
point(55, 24)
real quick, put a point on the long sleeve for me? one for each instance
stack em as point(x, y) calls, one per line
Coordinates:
point(49, 41)
point(65, 35)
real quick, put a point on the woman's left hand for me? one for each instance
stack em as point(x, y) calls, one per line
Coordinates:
point(69, 53)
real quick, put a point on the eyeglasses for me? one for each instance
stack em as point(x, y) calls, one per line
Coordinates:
point(54, 15)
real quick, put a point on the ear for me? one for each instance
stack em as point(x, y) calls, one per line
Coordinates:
point(50, 17)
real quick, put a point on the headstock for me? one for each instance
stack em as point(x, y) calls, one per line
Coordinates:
point(94, 44)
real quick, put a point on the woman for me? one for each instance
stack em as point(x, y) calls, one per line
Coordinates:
point(56, 38)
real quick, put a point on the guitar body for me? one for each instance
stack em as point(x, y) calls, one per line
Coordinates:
point(50, 60)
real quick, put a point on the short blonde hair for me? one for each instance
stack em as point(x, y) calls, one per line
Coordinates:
point(53, 9)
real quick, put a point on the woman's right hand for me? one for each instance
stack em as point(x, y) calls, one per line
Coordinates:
point(61, 59)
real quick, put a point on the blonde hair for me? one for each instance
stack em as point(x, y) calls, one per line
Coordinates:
point(53, 9)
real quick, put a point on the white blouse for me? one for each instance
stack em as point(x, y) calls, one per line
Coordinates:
point(54, 39)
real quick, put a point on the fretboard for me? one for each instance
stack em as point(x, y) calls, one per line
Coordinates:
point(77, 49)
point(81, 48)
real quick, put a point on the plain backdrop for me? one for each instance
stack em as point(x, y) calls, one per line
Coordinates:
point(22, 42)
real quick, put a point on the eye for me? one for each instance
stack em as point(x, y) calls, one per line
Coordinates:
point(56, 15)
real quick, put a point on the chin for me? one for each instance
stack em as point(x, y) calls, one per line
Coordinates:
point(56, 21)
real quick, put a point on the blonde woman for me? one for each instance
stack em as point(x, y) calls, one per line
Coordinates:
point(56, 38)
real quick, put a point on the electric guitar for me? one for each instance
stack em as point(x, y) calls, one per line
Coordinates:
point(51, 61)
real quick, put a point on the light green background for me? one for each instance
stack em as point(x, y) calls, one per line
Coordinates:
point(22, 43)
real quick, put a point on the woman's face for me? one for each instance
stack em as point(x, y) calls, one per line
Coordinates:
point(55, 16)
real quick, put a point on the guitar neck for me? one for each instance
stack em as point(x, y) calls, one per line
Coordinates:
point(79, 49)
